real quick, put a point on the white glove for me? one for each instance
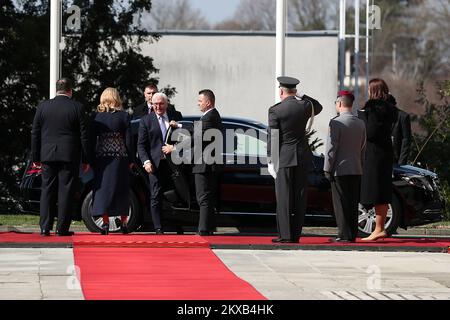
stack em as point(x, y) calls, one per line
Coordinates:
point(299, 96)
point(271, 169)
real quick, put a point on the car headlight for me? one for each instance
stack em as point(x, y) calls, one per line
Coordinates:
point(419, 181)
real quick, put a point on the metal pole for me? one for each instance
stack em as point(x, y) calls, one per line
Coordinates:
point(356, 54)
point(55, 12)
point(342, 31)
point(280, 44)
point(394, 59)
point(367, 49)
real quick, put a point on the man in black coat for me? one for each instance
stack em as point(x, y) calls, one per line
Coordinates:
point(152, 137)
point(147, 107)
point(401, 135)
point(291, 161)
point(59, 140)
point(207, 165)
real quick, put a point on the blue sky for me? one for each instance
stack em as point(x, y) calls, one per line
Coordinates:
point(216, 10)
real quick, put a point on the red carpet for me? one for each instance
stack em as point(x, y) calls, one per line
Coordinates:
point(15, 237)
point(326, 241)
point(194, 241)
point(139, 240)
point(158, 274)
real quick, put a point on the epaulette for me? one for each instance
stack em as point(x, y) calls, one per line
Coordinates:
point(275, 104)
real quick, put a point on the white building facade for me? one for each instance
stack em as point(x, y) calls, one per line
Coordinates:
point(240, 68)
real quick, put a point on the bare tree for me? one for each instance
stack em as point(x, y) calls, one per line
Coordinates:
point(252, 15)
point(312, 14)
point(302, 15)
point(174, 15)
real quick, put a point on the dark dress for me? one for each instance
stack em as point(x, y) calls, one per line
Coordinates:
point(376, 182)
point(111, 153)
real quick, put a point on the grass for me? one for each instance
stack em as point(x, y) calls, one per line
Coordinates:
point(25, 220)
point(438, 225)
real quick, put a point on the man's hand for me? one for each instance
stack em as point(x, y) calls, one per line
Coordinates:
point(148, 167)
point(173, 124)
point(167, 149)
point(85, 167)
point(328, 176)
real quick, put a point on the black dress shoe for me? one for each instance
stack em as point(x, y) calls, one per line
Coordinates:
point(279, 240)
point(342, 240)
point(45, 233)
point(64, 233)
point(159, 231)
point(105, 229)
point(124, 229)
point(205, 233)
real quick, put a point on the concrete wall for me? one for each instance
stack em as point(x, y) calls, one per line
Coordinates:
point(240, 69)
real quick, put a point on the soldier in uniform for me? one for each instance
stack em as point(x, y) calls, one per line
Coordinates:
point(291, 159)
point(344, 157)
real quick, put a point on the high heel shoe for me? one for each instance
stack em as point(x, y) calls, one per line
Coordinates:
point(105, 229)
point(375, 236)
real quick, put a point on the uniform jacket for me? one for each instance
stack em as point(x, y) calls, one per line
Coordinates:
point(346, 144)
point(290, 117)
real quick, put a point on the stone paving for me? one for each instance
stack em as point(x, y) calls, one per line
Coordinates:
point(48, 274)
point(331, 275)
point(38, 274)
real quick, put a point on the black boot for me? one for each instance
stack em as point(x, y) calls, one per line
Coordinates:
point(105, 229)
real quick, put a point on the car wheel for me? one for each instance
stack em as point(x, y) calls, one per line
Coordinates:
point(93, 224)
point(367, 218)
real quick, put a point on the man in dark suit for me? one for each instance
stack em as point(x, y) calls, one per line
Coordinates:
point(401, 135)
point(207, 166)
point(292, 159)
point(59, 140)
point(343, 163)
point(152, 136)
point(147, 107)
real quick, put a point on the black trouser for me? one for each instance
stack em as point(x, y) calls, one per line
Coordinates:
point(345, 190)
point(206, 187)
point(58, 187)
point(291, 191)
point(160, 181)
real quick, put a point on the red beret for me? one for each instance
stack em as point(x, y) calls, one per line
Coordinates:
point(346, 93)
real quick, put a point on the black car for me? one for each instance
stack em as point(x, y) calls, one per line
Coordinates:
point(247, 196)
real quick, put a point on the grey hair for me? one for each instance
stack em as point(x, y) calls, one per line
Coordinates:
point(289, 90)
point(161, 95)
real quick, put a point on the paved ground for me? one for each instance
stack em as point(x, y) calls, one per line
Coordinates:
point(311, 275)
point(325, 275)
point(38, 274)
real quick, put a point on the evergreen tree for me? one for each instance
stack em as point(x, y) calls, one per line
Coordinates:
point(105, 52)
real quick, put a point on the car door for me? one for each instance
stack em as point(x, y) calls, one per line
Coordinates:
point(246, 187)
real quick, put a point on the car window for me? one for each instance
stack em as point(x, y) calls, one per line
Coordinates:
point(249, 144)
point(248, 141)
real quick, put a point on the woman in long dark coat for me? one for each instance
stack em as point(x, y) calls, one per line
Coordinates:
point(111, 154)
point(376, 182)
